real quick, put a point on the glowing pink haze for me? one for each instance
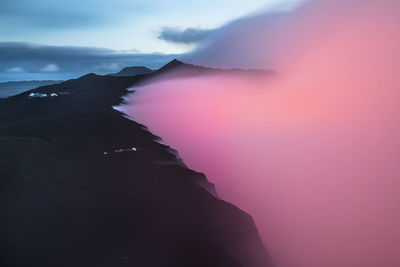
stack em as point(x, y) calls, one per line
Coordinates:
point(312, 154)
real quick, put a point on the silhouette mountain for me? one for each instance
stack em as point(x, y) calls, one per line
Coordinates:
point(177, 68)
point(132, 71)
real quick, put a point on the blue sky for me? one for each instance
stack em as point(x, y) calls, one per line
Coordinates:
point(115, 33)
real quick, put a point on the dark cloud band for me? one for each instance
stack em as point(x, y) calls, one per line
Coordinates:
point(187, 36)
point(61, 62)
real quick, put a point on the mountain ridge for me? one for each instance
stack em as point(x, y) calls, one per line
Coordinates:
point(132, 71)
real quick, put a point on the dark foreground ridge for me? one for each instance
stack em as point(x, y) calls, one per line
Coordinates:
point(75, 193)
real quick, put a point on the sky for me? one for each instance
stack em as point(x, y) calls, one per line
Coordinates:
point(45, 39)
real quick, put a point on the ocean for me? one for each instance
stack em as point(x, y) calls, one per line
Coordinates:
point(8, 89)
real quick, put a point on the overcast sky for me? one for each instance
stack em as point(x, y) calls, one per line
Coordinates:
point(114, 33)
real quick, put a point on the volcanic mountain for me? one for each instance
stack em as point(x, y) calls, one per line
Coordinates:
point(132, 71)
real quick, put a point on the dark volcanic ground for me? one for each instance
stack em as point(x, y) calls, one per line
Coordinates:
point(65, 203)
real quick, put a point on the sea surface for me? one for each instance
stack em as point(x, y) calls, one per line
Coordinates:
point(4, 93)
point(8, 89)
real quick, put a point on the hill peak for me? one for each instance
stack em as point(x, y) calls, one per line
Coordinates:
point(132, 71)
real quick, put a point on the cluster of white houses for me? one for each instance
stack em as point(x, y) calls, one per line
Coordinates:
point(120, 150)
point(42, 95)
point(35, 94)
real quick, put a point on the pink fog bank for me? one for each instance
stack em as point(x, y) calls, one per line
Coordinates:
point(313, 152)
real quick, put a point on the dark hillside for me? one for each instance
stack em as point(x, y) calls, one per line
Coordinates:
point(68, 199)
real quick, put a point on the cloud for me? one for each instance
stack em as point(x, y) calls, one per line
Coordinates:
point(15, 70)
point(208, 37)
point(317, 143)
point(187, 36)
point(21, 61)
point(244, 43)
point(50, 68)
